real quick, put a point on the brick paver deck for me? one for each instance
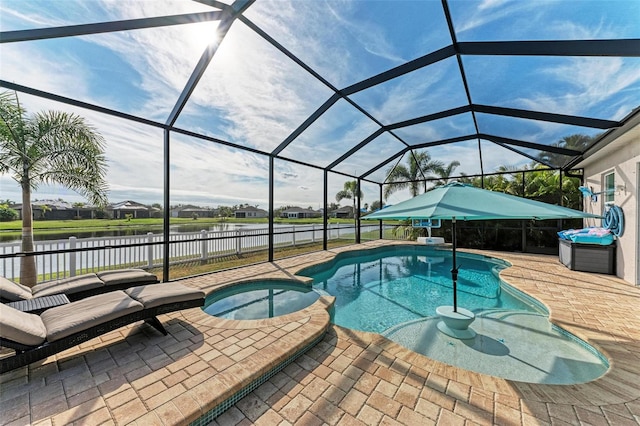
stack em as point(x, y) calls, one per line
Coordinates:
point(135, 375)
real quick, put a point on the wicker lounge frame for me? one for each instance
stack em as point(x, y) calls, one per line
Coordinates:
point(137, 277)
point(111, 287)
point(26, 355)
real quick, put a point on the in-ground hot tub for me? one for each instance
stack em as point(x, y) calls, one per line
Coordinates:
point(260, 299)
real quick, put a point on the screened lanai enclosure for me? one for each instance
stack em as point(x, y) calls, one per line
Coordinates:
point(312, 108)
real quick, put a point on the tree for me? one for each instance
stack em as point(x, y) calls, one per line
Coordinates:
point(7, 214)
point(45, 208)
point(225, 211)
point(376, 205)
point(50, 147)
point(444, 173)
point(78, 206)
point(576, 142)
point(407, 176)
point(350, 191)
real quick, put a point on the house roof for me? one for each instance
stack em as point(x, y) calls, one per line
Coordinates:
point(614, 140)
point(55, 205)
point(196, 209)
point(299, 210)
point(345, 209)
point(251, 209)
point(127, 205)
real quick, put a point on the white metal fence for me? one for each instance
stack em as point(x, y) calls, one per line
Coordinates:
point(68, 257)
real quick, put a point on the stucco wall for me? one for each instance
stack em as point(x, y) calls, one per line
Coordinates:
point(623, 158)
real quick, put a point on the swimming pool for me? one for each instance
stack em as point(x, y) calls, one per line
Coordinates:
point(260, 299)
point(394, 291)
point(377, 289)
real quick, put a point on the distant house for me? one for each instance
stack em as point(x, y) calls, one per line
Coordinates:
point(122, 209)
point(57, 210)
point(250, 212)
point(343, 212)
point(299, 213)
point(193, 211)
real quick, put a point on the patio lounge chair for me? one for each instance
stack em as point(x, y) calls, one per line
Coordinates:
point(76, 288)
point(35, 337)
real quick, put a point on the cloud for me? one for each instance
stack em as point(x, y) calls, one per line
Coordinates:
point(253, 95)
point(369, 35)
point(467, 19)
point(589, 82)
point(490, 4)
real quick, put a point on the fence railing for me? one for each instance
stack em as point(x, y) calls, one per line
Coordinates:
point(57, 259)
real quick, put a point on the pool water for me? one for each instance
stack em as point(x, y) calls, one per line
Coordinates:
point(515, 345)
point(394, 291)
point(382, 288)
point(257, 300)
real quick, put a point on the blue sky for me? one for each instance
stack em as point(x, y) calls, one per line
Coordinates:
point(253, 96)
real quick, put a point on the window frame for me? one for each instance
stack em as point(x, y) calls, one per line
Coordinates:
point(609, 188)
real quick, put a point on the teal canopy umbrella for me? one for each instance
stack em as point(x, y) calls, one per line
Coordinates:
point(457, 201)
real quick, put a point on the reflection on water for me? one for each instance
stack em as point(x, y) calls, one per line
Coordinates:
point(142, 230)
point(194, 227)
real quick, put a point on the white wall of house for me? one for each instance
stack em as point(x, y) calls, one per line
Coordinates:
point(622, 157)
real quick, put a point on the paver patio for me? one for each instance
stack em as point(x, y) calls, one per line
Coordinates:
point(134, 375)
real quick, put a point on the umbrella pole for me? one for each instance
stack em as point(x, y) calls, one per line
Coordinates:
point(454, 269)
point(455, 323)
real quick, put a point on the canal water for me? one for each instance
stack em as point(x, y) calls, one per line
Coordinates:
point(129, 231)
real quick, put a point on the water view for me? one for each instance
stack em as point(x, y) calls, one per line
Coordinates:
point(143, 247)
point(137, 230)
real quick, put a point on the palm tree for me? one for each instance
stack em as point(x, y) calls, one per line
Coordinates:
point(444, 173)
point(78, 206)
point(50, 147)
point(407, 176)
point(576, 142)
point(350, 191)
point(508, 185)
point(45, 208)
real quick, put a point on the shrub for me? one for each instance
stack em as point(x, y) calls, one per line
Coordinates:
point(7, 214)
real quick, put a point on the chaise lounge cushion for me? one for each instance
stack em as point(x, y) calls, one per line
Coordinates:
point(68, 285)
point(124, 276)
point(62, 321)
point(21, 327)
point(162, 294)
point(13, 291)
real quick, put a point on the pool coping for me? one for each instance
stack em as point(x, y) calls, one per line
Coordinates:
point(259, 374)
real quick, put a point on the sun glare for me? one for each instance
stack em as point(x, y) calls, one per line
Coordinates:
point(200, 35)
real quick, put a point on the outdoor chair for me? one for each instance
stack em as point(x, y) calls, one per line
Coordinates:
point(35, 337)
point(76, 288)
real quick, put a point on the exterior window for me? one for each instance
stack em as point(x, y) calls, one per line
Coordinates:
point(609, 187)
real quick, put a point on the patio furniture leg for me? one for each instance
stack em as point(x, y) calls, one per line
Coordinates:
point(155, 323)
